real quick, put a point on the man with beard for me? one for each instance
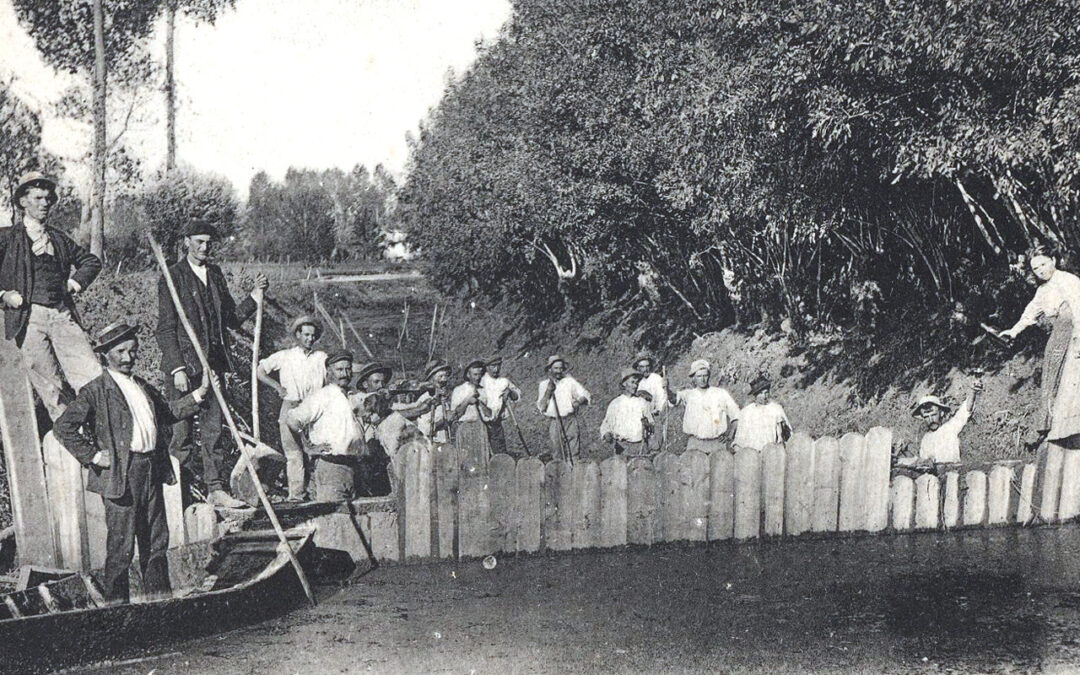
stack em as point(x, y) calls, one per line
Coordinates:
point(941, 442)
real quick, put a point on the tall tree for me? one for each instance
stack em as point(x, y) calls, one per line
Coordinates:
point(81, 37)
point(201, 10)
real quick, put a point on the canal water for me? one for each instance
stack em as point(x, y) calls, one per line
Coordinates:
point(1002, 600)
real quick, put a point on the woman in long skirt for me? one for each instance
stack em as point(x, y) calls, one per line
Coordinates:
point(1056, 302)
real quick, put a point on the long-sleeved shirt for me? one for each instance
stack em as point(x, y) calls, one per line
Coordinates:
point(462, 393)
point(625, 418)
point(568, 392)
point(143, 422)
point(655, 386)
point(300, 374)
point(708, 411)
point(493, 388)
point(943, 444)
point(1060, 287)
point(328, 416)
point(431, 421)
point(760, 425)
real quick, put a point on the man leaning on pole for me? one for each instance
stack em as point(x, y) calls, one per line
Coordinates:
point(205, 298)
point(559, 398)
point(41, 270)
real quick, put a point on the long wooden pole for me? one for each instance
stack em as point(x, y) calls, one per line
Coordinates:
point(360, 338)
point(227, 414)
point(255, 367)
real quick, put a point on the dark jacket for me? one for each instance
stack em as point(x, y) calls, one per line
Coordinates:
point(211, 320)
point(17, 273)
point(99, 420)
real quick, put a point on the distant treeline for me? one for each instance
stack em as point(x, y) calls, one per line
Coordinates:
point(825, 162)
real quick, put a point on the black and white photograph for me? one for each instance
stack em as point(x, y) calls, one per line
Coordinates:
point(539, 336)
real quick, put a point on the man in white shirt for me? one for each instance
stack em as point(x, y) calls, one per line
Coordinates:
point(301, 372)
point(654, 387)
point(498, 393)
point(559, 398)
point(334, 434)
point(941, 443)
point(711, 415)
point(433, 405)
point(762, 421)
point(117, 427)
point(629, 419)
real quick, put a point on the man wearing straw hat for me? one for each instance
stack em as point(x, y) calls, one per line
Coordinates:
point(711, 415)
point(433, 405)
point(41, 270)
point(205, 298)
point(654, 387)
point(941, 442)
point(301, 372)
point(628, 419)
point(498, 392)
point(762, 421)
point(559, 398)
point(470, 412)
point(112, 427)
point(335, 436)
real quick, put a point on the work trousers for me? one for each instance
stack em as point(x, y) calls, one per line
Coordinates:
point(631, 448)
point(335, 478)
point(214, 474)
point(573, 436)
point(54, 341)
point(137, 517)
point(707, 445)
point(496, 437)
point(295, 459)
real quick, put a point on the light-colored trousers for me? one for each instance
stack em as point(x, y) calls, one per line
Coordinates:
point(573, 437)
point(295, 459)
point(54, 342)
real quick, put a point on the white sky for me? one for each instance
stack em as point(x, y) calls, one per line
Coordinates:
point(279, 83)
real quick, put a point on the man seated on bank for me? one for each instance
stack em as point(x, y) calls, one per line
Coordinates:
point(628, 422)
point(470, 413)
point(498, 392)
point(762, 421)
point(711, 415)
point(118, 427)
point(301, 372)
point(559, 399)
point(41, 271)
point(941, 442)
point(653, 387)
point(335, 438)
point(434, 419)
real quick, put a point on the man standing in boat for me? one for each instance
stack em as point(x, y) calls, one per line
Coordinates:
point(212, 311)
point(41, 270)
point(301, 372)
point(112, 427)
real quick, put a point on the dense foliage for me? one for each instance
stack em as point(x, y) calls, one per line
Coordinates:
point(836, 158)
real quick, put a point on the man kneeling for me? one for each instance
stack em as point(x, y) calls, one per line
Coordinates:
point(112, 428)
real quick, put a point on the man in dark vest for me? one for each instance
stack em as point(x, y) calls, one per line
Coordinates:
point(41, 270)
point(114, 427)
point(212, 311)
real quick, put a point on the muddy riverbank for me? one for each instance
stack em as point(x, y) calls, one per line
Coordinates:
point(958, 602)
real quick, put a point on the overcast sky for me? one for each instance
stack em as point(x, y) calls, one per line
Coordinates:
point(279, 83)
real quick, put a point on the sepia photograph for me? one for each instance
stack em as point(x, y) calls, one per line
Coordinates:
point(539, 336)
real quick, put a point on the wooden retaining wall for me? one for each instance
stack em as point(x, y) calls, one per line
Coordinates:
point(808, 487)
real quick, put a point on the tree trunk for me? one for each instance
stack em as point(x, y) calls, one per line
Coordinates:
point(170, 88)
point(97, 226)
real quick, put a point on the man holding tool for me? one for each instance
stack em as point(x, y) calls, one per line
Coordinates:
point(559, 398)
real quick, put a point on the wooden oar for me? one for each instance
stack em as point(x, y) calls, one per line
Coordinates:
point(219, 395)
point(255, 366)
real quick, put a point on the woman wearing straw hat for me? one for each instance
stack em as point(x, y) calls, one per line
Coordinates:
point(559, 399)
point(711, 415)
point(628, 420)
point(468, 409)
point(762, 421)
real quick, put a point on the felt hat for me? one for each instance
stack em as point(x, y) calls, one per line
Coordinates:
point(306, 320)
point(555, 358)
point(197, 227)
point(643, 356)
point(435, 367)
point(339, 355)
point(112, 335)
point(475, 363)
point(371, 368)
point(35, 179)
point(495, 361)
point(929, 400)
point(760, 384)
point(701, 365)
point(627, 373)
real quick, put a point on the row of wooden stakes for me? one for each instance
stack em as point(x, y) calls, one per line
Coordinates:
point(847, 485)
